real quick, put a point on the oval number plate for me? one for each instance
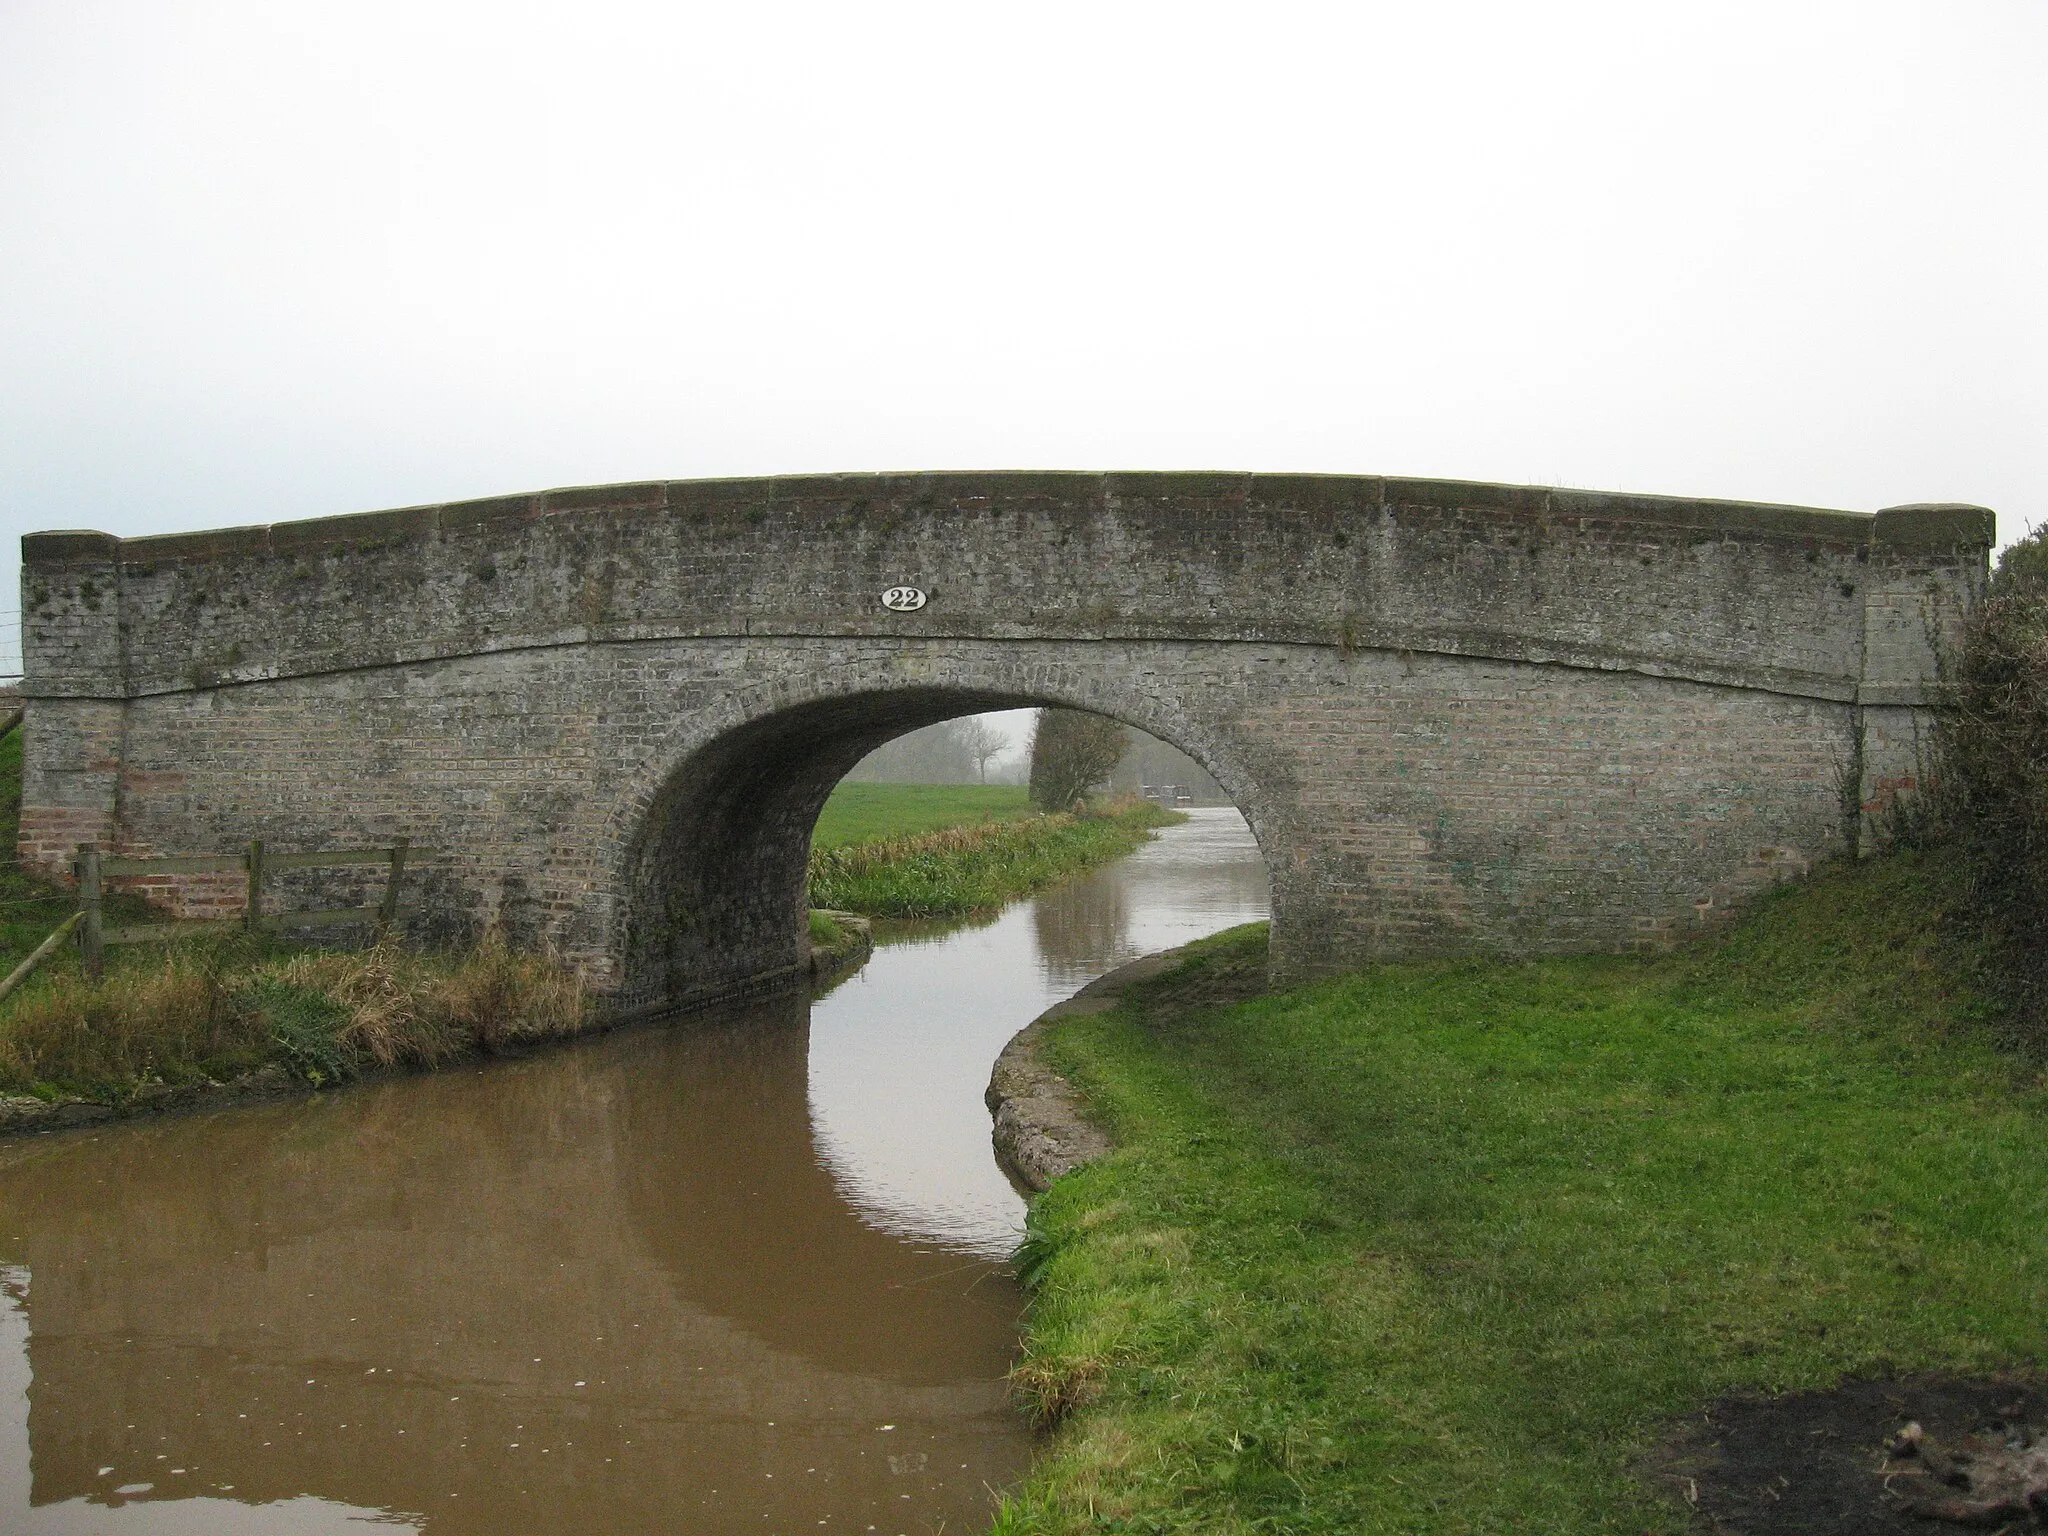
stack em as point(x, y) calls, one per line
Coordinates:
point(903, 599)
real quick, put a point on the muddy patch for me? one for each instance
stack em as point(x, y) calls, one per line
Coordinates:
point(1844, 1462)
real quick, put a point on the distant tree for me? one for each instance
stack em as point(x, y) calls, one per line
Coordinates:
point(1071, 752)
point(981, 741)
point(933, 755)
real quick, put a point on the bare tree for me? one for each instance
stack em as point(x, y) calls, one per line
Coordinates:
point(933, 755)
point(1071, 752)
point(981, 741)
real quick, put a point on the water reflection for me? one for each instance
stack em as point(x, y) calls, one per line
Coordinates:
point(900, 1055)
point(730, 1276)
point(608, 1289)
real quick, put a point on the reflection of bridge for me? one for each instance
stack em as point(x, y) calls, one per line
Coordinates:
point(1457, 716)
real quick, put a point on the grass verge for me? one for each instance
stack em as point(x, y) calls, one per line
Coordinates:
point(867, 813)
point(1448, 1247)
point(195, 1012)
point(972, 868)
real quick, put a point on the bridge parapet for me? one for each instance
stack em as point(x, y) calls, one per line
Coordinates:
point(1743, 594)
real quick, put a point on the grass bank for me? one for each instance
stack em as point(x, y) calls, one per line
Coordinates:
point(192, 1013)
point(868, 813)
point(1446, 1248)
point(971, 868)
point(176, 1015)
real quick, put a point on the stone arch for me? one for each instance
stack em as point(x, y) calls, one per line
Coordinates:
point(710, 842)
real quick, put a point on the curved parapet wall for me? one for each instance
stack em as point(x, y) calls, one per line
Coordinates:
point(585, 697)
point(1729, 592)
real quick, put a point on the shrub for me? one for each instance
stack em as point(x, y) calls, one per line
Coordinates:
point(1987, 781)
point(1071, 752)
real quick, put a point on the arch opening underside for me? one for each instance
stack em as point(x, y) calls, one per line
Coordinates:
point(715, 891)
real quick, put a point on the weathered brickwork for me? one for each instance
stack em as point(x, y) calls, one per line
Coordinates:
point(1458, 716)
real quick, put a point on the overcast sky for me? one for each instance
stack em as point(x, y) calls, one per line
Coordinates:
point(278, 260)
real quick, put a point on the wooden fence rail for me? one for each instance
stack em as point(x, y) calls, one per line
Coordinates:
point(94, 868)
point(43, 952)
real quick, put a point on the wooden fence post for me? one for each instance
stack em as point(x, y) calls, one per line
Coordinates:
point(387, 911)
point(89, 936)
point(253, 918)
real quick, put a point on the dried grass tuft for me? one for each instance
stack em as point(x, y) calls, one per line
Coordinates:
point(412, 1010)
point(175, 1018)
point(1048, 1390)
point(324, 1015)
point(496, 996)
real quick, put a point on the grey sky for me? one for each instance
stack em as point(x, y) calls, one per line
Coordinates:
point(264, 261)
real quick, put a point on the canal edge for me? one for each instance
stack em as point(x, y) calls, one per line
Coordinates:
point(23, 1115)
point(1040, 1129)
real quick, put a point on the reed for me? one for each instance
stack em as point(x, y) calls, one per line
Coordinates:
point(198, 1012)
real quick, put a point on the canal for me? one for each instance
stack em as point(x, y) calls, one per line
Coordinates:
point(743, 1274)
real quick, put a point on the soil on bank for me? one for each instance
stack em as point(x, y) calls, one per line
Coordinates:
point(1818, 1463)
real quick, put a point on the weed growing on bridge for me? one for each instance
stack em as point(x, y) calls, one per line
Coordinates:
point(1448, 1247)
point(973, 868)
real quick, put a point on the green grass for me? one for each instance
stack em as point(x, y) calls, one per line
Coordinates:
point(870, 813)
point(1445, 1248)
point(962, 869)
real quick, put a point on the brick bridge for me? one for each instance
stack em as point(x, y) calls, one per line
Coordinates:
point(1459, 717)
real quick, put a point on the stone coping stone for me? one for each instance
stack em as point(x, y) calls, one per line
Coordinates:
point(1919, 526)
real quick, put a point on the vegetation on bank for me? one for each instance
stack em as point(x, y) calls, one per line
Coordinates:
point(838, 939)
point(1448, 1247)
point(194, 1011)
point(870, 812)
point(1983, 795)
point(976, 867)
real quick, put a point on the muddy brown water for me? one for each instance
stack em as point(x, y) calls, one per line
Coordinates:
point(741, 1274)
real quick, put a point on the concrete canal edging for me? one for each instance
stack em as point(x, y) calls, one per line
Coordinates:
point(1041, 1131)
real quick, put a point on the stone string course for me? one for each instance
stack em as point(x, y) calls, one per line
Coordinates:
point(1459, 717)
